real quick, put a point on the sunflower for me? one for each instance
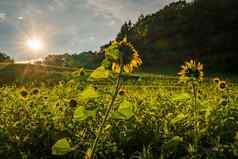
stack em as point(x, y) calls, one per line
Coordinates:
point(121, 92)
point(35, 91)
point(23, 94)
point(116, 68)
point(73, 103)
point(216, 80)
point(123, 56)
point(222, 85)
point(191, 71)
point(128, 68)
point(136, 60)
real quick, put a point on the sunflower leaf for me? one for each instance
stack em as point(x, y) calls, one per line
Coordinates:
point(88, 93)
point(125, 111)
point(61, 147)
point(100, 73)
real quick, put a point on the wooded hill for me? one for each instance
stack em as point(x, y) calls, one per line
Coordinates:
point(203, 29)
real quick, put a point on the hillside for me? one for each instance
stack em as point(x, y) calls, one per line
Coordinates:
point(206, 30)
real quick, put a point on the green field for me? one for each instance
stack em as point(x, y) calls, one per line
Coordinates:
point(152, 117)
point(26, 73)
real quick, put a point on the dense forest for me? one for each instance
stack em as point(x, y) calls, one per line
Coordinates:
point(203, 29)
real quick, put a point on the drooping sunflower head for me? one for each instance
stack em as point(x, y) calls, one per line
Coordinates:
point(222, 85)
point(191, 71)
point(123, 56)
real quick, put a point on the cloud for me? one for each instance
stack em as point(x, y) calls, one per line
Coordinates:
point(2, 17)
point(75, 25)
point(124, 10)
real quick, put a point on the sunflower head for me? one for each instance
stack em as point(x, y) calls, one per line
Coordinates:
point(216, 80)
point(191, 71)
point(223, 102)
point(35, 91)
point(222, 85)
point(72, 103)
point(123, 56)
point(121, 92)
point(24, 94)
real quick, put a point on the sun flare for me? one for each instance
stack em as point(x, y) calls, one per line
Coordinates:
point(34, 43)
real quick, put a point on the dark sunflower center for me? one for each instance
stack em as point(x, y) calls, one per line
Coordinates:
point(193, 73)
point(73, 103)
point(222, 85)
point(35, 91)
point(127, 53)
point(23, 93)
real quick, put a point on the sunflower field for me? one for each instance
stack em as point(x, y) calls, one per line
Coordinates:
point(113, 113)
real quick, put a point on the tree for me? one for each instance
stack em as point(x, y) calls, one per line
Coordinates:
point(5, 58)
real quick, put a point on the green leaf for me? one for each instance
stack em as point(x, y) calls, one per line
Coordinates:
point(80, 114)
point(173, 143)
point(125, 111)
point(100, 73)
point(106, 64)
point(178, 118)
point(236, 137)
point(181, 97)
point(89, 92)
point(92, 113)
point(117, 115)
point(112, 52)
point(61, 147)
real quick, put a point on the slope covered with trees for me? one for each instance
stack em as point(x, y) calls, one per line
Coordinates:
point(201, 29)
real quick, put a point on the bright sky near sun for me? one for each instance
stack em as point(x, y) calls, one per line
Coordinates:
point(65, 25)
point(34, 44)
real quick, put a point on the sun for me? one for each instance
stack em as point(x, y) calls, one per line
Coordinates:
point(34, 43)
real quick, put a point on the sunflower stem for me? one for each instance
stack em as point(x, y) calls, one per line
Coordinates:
point(102, 125)
point(195, 115)
point(105, 117)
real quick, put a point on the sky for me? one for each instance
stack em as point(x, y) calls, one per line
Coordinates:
point(62, 26)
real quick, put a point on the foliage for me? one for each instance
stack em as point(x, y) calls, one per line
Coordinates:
point(5, 58)
point(158, 121)
point(88, 117)
point(88, 60)
point(181, 30)
point(61, 147)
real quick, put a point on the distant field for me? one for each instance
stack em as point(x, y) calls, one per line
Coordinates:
point(29, 73)
point(10, 73)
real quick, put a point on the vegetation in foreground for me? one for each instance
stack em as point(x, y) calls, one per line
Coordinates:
point(154, 121)
point(83, 119)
